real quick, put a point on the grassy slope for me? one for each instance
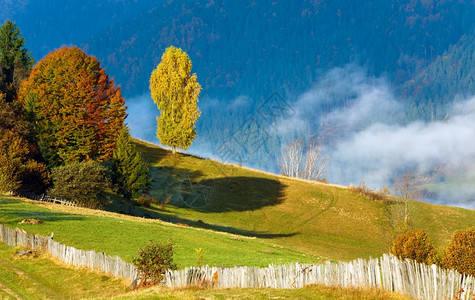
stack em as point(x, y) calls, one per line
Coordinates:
point(316, 218)
point(297, 215)
point(40, 278)
point(122, 235)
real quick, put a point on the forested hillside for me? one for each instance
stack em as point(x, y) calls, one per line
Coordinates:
point(446, 81)
point(244, 132)
point(342, 68)
point(50, 24)
point(255, 48)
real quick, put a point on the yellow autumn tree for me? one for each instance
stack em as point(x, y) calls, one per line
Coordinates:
point(175, 91)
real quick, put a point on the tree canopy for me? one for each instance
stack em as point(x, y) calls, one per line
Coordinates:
point(76, 109)
point(15, 61)
point(82, 182)
point(18, 169)
point(175, 91)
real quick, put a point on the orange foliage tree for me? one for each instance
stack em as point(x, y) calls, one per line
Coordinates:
point(76, 109)
point(460, 252)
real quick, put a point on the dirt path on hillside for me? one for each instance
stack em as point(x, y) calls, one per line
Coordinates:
point(31, 282)
point(9, 292)
point(4, 263)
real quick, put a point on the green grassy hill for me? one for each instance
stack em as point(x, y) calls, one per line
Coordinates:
point(236, 215)
point(321, 219)
point(116, 234)
point(38, 277)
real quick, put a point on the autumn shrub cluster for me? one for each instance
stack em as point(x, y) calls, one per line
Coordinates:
point(147, 200)
point(363, 190)
point(459, 253)
point(415, 245)
point(153, 261)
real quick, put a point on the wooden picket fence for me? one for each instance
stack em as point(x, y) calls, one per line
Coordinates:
point(43, 197)
point(114, 266)
point(388, 272)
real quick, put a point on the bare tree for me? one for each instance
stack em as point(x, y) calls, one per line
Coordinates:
point(406, 188)
point(303, 162)
point(292, 158)
point(314, 167)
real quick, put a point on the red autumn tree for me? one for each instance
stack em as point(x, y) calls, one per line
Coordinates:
point(75, 107)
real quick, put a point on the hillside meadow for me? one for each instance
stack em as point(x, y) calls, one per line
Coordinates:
point(120, 235)
point(40, 277)
point(321, 219)
point(237, 216)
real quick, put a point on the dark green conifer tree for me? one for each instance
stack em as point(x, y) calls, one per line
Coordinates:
point(21, 166)
point(15, 61)
point(130, 171)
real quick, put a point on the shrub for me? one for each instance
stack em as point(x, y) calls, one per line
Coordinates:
point(153, 261)
point(372, 194)
point(147, 200)
point(35, 177)
point(415, 245)
point(83, 183)
point(200, 257)
point(164, 203)
point(460, 252)
point(144, 200)
point(18, 168)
